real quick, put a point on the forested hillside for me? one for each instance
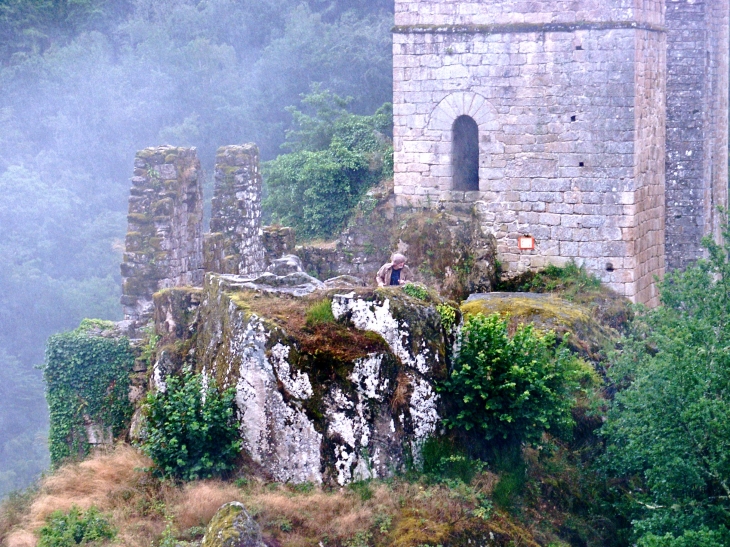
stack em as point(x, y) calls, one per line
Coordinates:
point(84, 85)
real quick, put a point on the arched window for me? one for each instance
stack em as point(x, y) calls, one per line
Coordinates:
point(465, 154)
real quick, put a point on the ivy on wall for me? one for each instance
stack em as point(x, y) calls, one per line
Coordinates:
point(87, 382)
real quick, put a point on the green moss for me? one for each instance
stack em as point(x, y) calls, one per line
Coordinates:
point(139, 218)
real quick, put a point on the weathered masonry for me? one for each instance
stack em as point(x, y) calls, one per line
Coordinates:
point(555, 120)
point(165, 245)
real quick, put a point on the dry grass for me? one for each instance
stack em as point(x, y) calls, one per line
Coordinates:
point(398, 514)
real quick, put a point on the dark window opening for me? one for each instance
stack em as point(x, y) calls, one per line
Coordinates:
point(465, 154)
point(572, 118)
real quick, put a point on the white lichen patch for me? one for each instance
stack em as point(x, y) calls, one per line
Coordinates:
point(349, 424)
point(366, 376)
point(423, 404)
point(296, 384)
point(368, 315)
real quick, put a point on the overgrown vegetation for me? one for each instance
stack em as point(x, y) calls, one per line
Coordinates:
point(416, 291)
point(510, 389)
point(336, 156)
point(668, 431)
point(191, 432)
point(87, 379)
point(75, 528)
point(568, 280)
point(320, 312)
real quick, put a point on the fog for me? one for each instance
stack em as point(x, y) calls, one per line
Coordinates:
point(83, 86)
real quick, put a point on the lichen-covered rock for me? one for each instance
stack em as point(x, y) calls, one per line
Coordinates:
point(327, 402)
point(232, 526)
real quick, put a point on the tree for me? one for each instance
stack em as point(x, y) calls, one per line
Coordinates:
point(337, 157)
point(668, 431)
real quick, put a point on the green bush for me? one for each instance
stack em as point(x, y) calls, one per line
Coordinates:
point(336, 157)
point(191, 431)
point(510, 389)
point(75, 528)
point(668, 431)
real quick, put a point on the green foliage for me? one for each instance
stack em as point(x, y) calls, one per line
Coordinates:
point(511, 389)
point(447, 315)
point(87, 380)
point(75, 528)
point(320, 312)
point(191, 430)
point(570, 280)
point(416, 291)
point(336, 157)
point(362, 489)
point(689, 538)
point(668, 431)
point(444, 461)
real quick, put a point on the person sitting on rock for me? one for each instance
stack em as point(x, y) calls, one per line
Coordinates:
point(394, 272)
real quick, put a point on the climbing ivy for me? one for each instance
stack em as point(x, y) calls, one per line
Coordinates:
point(87, 380)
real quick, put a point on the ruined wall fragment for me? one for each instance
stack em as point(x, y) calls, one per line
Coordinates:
point(234, 245)
point(164, 234)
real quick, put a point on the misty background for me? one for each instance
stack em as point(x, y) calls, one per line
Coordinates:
point(84, 84)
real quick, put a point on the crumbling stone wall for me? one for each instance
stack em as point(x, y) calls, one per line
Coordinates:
point(697, 109)
point(568, 98)
point(164, 234)
point(234, 245)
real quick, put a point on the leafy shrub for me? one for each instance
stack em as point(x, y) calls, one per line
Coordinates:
point(191, 430)
point(416, 291)
point(75, 528)
point(320, 312)
point(669, 426)
point(447, 315)
point(336, 157)
point(510, 389)
point(442, 460)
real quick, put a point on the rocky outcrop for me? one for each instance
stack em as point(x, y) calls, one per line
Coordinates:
point(335, 400)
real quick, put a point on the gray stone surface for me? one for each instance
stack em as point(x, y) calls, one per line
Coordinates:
point(235, 244)
point(164, 236)
point(697, 109)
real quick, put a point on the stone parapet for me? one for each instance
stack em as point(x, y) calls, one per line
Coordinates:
point(164, 234)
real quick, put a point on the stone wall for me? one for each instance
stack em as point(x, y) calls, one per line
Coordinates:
point(569, 125)
point(164, 234)
point(235, 245)
point(697, 109)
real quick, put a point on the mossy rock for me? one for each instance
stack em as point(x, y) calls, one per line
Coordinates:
point(548, 312)
point(232, 526)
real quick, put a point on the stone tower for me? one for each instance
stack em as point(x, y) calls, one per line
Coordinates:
point(555, 120)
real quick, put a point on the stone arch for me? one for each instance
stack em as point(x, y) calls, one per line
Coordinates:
point(465, 154)
point(463, 103)
point(441, 126)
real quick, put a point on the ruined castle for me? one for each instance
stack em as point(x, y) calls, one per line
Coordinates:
point(586, 130)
